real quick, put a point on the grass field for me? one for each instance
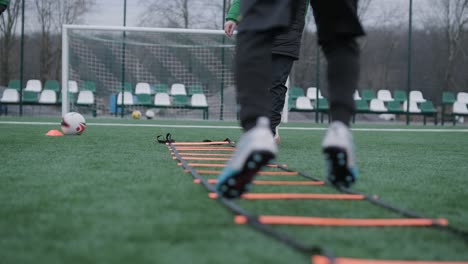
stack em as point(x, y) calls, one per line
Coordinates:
point(113, 196)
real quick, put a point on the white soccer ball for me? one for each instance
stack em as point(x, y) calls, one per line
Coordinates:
point(149, 114)
point(73, 123)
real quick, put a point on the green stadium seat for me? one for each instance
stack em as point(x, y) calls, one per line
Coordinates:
point(448, 98)
point(362, 106)
point(399, 96)
point(428, 109)
point(394, 107)
point(368, 94)
point(52, 85)
point(88, 86)
point(14, 84)
point(71, 98)
point(161, 88)
point(179, 100)
point(144, 99)
point(295, 92)
point(30, 97)
point(323, 104)
point(195, 89)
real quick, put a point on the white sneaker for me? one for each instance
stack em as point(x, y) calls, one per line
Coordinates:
point(338, 149)
point(254, 150)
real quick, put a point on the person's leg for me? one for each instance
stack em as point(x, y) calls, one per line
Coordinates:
point(338, 26)
point(281, 68)
point(256, 147)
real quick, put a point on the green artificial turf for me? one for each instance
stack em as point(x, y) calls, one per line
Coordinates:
point(113, 195)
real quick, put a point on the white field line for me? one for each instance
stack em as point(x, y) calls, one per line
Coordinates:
point(237, 127)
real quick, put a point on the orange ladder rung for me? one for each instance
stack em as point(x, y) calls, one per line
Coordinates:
point(325, 260)
point(296, 196)
point(198, 143)
point(214, 181)
point(277, 173)
point(318, 221)
point(218, 165)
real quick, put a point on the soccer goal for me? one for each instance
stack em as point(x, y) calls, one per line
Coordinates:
point(178, 73)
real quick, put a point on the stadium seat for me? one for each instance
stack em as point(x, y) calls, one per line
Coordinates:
point(377, 105)
point(161, 88)
point(195, 89)
point(394, 107)
point(362, 106)
point(52, 85)
point(72, 87)
point(312, 93)
point(198, 100)
point(162, 99)
point(416, 96)
point(128, 87)
point(178, 89)
point(143, 88)
point(295, 92)
point(48, 97)
point(448, 98)
point(179, 100)
point(30, 97)
point(14, 84)
point(384, 95)
point(462, 97)
point(33, 86)
point(399, 96)
point(85, 98)
point(88, 86)
point(144, 99)
point(10, 96)
point(368, 94)
point(356, 95)
point(303, 103)
point(127, 98)
point(428, 109)
point(460, 108)
point(413, 107)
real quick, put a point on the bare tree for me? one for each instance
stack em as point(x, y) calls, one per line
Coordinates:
point(51, 14)
point(174, 13)
point(8, 23)
point(452, 17)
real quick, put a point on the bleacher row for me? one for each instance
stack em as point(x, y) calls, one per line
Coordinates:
point(157, 96)
point(384, 102)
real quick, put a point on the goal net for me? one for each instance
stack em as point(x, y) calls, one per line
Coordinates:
point(108, 62)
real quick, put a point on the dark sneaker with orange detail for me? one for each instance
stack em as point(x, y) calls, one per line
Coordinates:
point(256, 148)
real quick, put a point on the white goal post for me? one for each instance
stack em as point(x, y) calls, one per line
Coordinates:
point(107, 55)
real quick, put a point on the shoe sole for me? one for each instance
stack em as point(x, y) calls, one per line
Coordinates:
point(338, 171)
point(234, 185)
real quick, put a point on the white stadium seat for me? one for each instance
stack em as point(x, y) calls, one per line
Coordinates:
point(72, 87)
point(127, 98)
point(178, 88)
point(384, 95)
point(413, 107)
point(416, 96)
point(377, 105)
point(312, 93)
point(303, 103)
point(33, 86)
point(85, 98)
point(162, 99)
point(48, 97)
point(356, 95)
point(10, 96)
point(460, 108)
point(143, 88)
point(199, 100)
point(462, 97)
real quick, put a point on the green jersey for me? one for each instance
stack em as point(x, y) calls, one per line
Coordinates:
point(234, 11)
point(4, 2)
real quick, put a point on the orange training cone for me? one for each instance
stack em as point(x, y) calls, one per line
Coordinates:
point(54, 133)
